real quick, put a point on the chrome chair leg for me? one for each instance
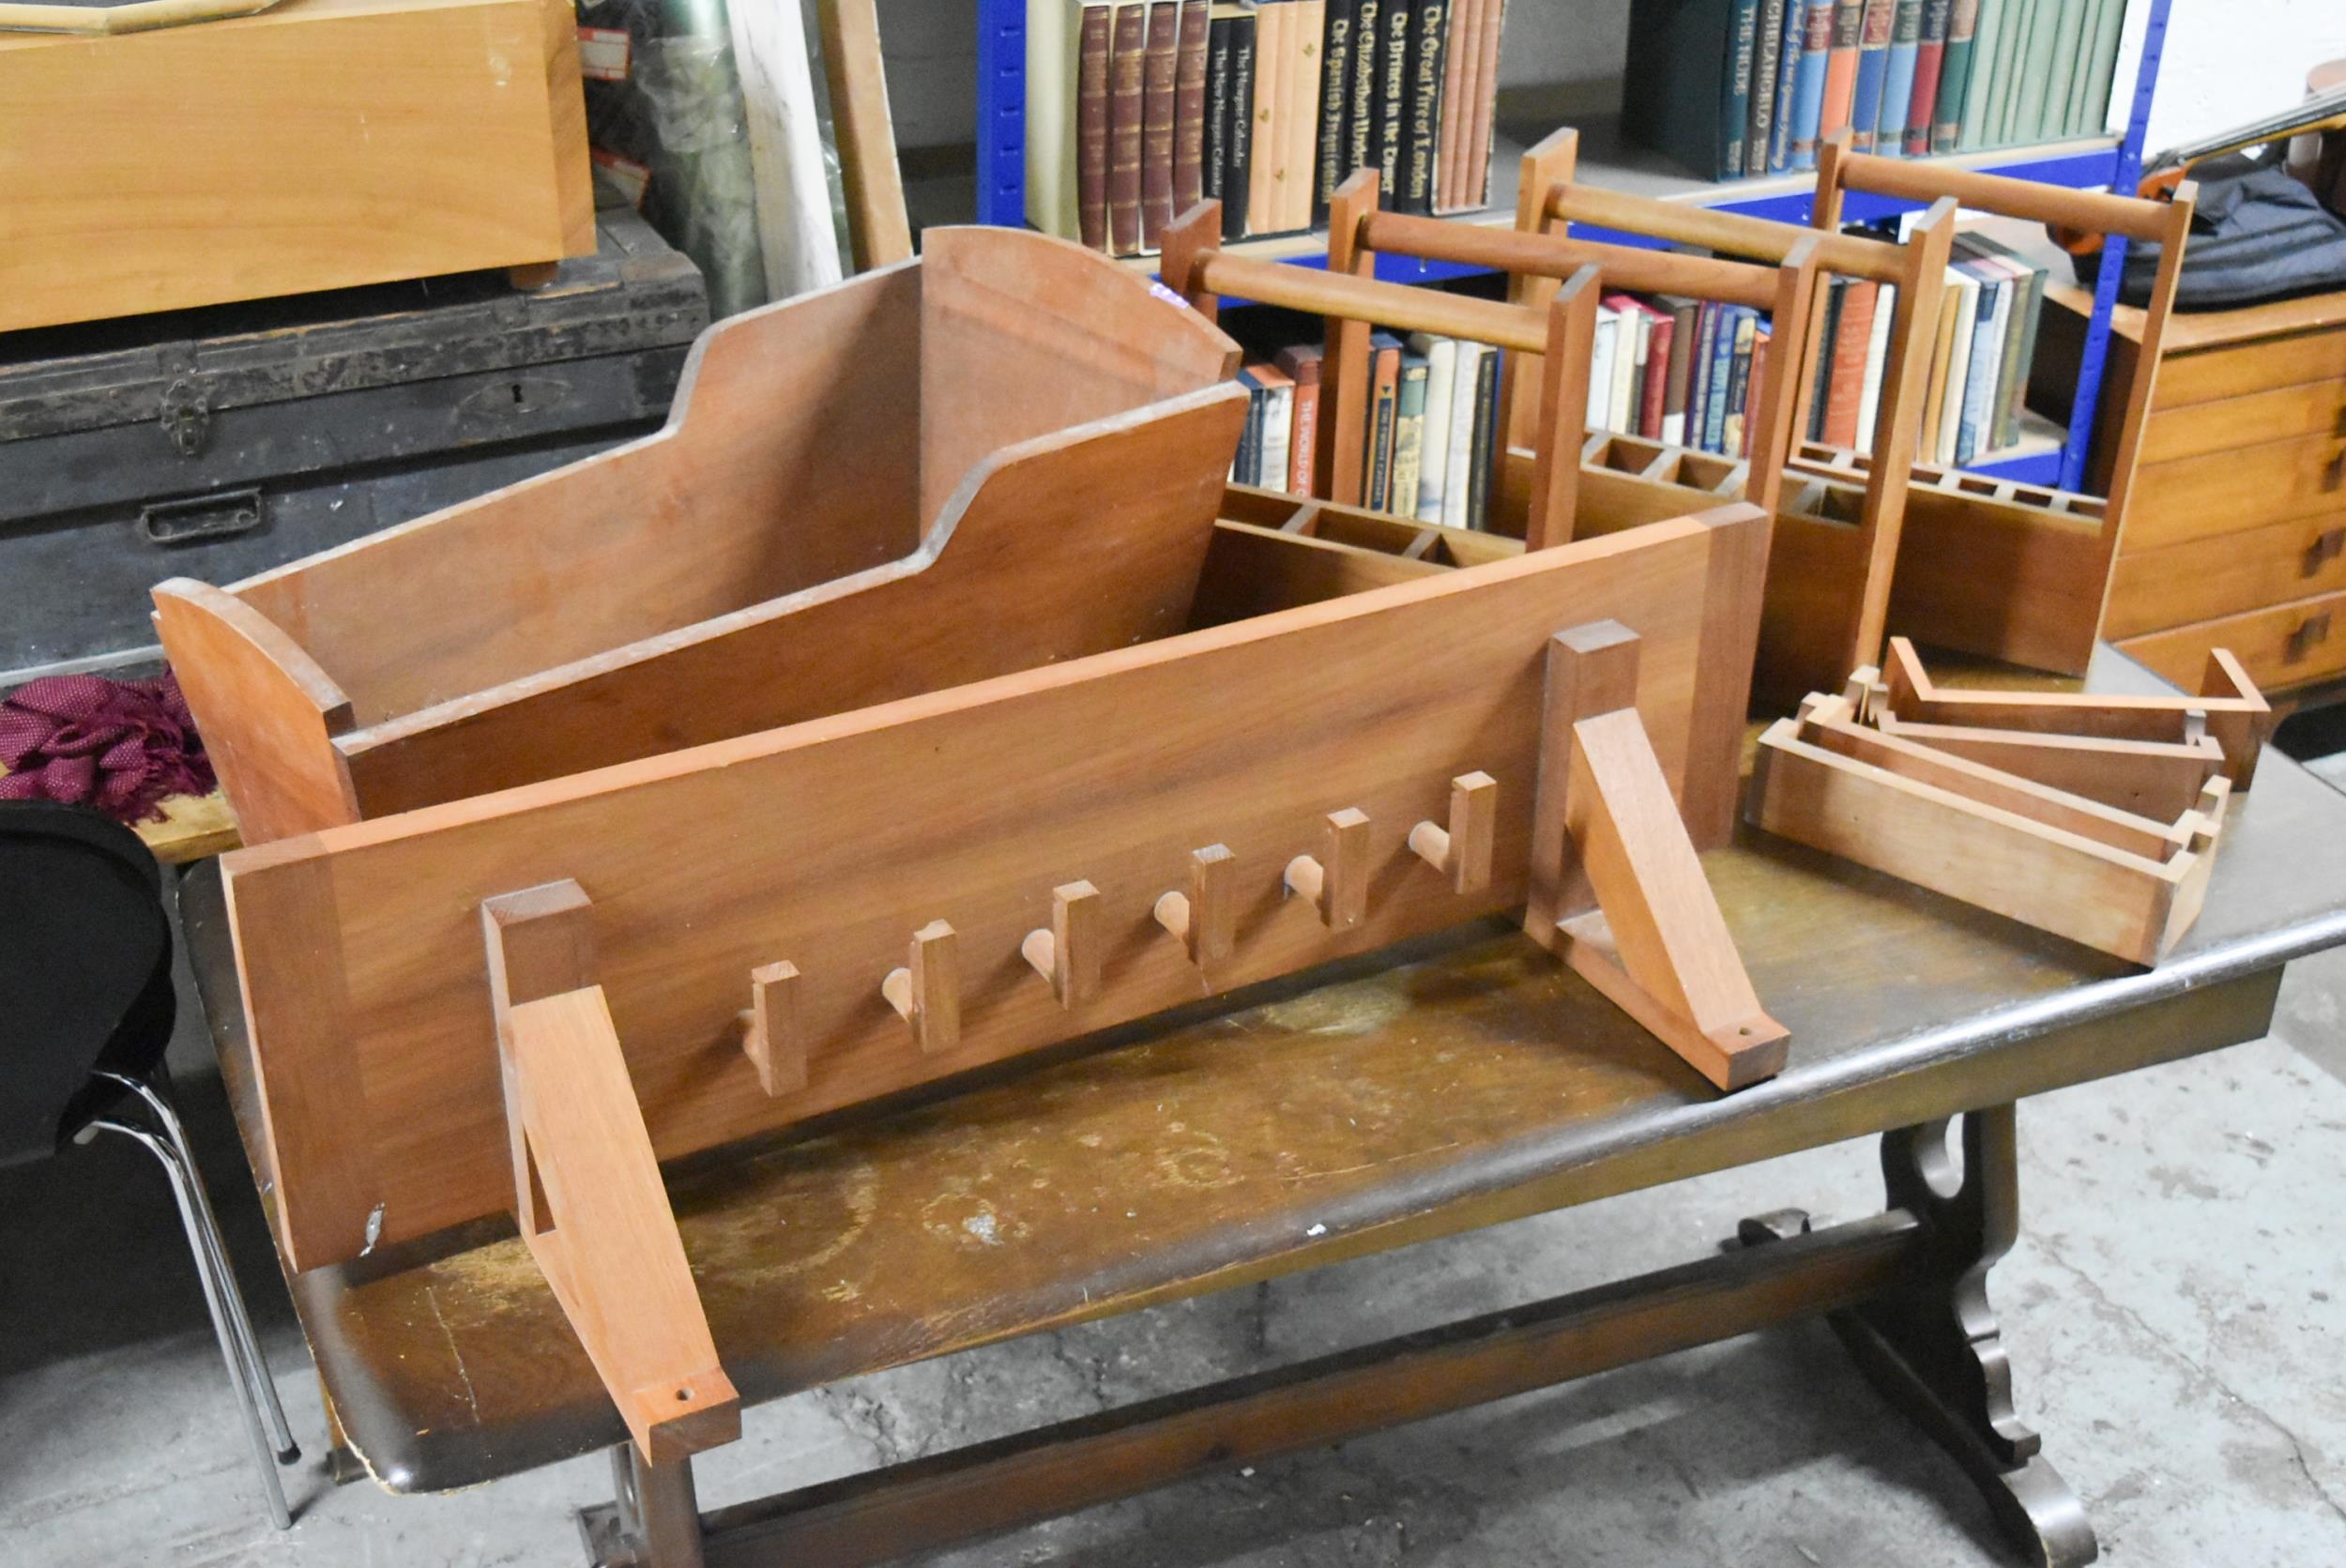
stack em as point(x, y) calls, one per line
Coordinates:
point(239, 1322)
point(215, 1290)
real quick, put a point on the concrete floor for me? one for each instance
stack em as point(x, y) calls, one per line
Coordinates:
point(2175, 1311)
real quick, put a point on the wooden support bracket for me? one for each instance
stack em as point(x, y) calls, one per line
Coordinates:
point(1462, 850)
point(1205, 918)
point(587, 1191)
point(926, 992)
point(1067, 954)
point(1605, 826)
point(1336, 885)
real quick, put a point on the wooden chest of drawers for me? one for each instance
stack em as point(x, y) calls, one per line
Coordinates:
point(2235, 534)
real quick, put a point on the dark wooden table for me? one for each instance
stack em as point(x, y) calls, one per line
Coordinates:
point(1474, 1080)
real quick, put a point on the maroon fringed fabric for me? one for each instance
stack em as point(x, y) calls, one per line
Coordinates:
point(121, 746)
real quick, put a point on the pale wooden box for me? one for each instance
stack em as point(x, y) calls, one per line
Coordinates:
point(321, 144)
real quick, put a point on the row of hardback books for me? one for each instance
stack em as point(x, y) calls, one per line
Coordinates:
point(1738, 87)
point(1137, 108)
point(1681, 372)
point(1434, 426)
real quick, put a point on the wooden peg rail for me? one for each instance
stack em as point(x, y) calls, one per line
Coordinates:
point(879, 940)
point(585, 1187)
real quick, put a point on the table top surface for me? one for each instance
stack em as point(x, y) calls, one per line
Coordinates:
point(1467, 1080)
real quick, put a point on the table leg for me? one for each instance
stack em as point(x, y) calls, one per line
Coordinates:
point(1932, 1345)
point(654, 1519)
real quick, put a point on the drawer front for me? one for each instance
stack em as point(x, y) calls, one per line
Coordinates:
point(2228, 424)
point(2235, 491)
point(2207, 375)
point(2286, 645)
point(2152, 589)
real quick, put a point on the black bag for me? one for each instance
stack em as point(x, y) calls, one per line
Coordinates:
point(2257, 235)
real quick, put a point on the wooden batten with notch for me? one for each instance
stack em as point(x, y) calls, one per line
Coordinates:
point(2229, 709)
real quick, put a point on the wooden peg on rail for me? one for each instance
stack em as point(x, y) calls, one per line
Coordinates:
point(1204, 917)
point(1605, 826)
point(1067, 953)
point(1462, 850)
point(769, 1028)
point(1336, 885)
point(587, 1191)
point(926, 992)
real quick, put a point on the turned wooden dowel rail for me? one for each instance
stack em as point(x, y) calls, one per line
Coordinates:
point(1557, 255)
point(1392, 305)
point(1738, 234)
point(2094, 211)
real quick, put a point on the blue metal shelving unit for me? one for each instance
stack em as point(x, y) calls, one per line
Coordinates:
point(1003, 199)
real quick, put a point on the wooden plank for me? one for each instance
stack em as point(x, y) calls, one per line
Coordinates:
point(1830, 726)
point(2148, 778)
point(877, 221)
point(278, 154)
point(966, 805)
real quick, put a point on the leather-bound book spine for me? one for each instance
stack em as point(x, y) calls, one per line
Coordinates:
point(1237, 170)
point(1393, 93)
point(1421, 133)
point(1092, 127)
point(1851, 336)
point(1128, 47)
point(1335, 99)
point(1160, 73)
point(1189, 108)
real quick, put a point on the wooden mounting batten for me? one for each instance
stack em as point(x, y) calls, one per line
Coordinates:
point(587, 1191)
point(1604, 824)
point(2229, 706)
